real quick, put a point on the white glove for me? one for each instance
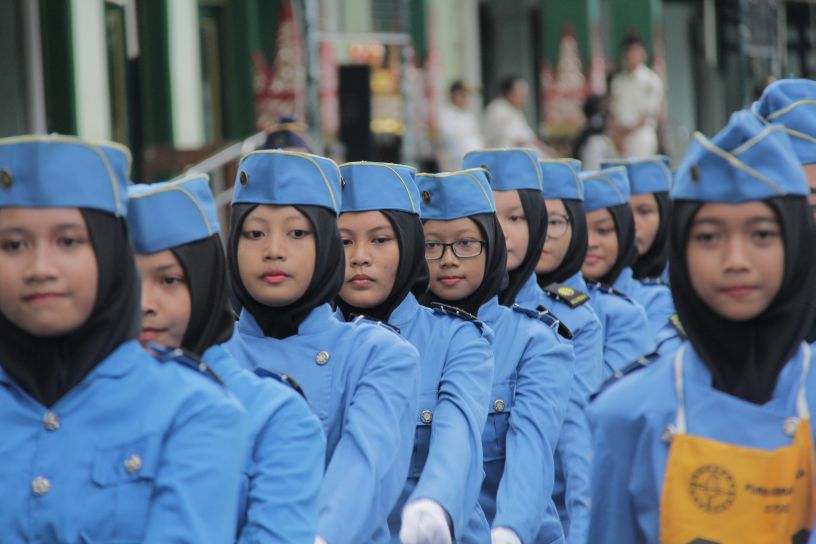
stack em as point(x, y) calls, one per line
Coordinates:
point(319, 540)
point(500, 535)
point(424, 522)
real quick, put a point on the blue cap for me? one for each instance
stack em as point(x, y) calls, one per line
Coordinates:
point(646, 174)
point(792, 103)
point(63, 172)
point(287, 178)
point(453, 195)
point(379, 186)
point(560, 178)
point(510, 168)
point(605, 188)
point(745, 161)
point(165, 215)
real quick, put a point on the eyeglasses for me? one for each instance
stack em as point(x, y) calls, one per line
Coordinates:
point(557, 225)
point(463, 249)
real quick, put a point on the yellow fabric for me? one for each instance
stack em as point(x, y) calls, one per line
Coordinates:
point(723, 493)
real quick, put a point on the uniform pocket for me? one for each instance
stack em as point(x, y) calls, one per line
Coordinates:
point(498, 421)
point(422, 436)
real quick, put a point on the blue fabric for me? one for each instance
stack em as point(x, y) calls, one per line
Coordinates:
point(183, 426)
point(745, 161)
point(283, 458)
point(379, 186)
point(560, 179)
point(622, 321)
point(533, 368)
point(654, 297)
point(288, 178)
point(170, 214)
point(63, 172)
point(647, 174)
point(629, 418)
point(792, 104)
point(605, 188)
point(456, 364)
point(510, 168)
point(454, 195)
point(571, 492)
point(365, 396)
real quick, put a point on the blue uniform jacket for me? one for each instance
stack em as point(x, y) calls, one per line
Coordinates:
point(628, 421)
point(139, 451)
point(622, 321)
point(283, 460)
point(655, 298)
point(361, 381)
point(571, 492)
point(534, 365)
point(456, 373)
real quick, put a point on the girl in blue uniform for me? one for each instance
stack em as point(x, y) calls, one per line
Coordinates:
point(534, 365)
point(285, 260)
point(175, 232)
point(385, 272)
point(101, 442)
point(716, 444)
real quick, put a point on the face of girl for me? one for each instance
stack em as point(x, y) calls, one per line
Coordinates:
point(372, 258)
point(48, 270)
point(559, 236)
point(514, 224)
point(276, 254)
point(166, 303)
point(452, 277)
point(602, 249)
point(736, 258)
point(810, 174)
point(647, 220)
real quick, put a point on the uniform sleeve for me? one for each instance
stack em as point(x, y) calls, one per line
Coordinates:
point(453, 471)
point(613, 517)
point(370, 463)
point(286, 471)
point(625, 340)
point(195, 498)
point(544, 374)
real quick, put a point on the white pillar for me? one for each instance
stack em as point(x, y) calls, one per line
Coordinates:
point(92, 98)
point(186, 93)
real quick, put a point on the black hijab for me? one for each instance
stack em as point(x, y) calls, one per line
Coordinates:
point(211, 318)
point(627, 247)
point(532, 203)
point(495, 267)
point(652, 263)
point(576, 251)
point(326, 281)
point(412, 272)
point(745, 358)
point(47, 368)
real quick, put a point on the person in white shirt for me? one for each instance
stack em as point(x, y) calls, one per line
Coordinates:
point(459, 130)
point(637, 98)
point(505, 123)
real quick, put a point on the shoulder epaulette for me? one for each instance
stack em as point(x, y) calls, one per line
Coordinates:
point(285, 379)
point(653, 281)
point(606, 289)
point(638, 364)
point(674, 320)
point(572, 297)
point(185, 358)
point(357, 318)
point(545, 316)
point(445, 309)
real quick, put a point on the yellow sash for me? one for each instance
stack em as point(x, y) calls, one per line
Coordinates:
point(718, 493)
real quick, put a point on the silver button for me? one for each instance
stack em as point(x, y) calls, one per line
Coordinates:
point(322, 357)
point(499, 405)
point(133, 463)
point(669, 433)
point(51, 421)
point(426, 416)
point(790, 426)
point(40, 485)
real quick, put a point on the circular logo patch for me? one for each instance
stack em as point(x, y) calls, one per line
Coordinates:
point(566, 291)
point(712, 488)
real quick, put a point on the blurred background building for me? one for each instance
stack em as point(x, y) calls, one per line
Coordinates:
point(186, 81)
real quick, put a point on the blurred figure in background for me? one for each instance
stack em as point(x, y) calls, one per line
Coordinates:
point(459, 130)
point(505, 124)
point(593, 144)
